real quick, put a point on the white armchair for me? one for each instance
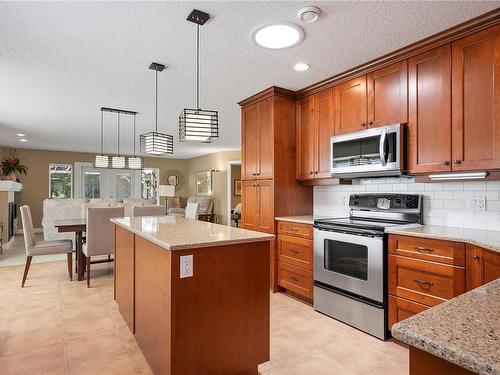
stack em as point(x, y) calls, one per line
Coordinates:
point(205, 206)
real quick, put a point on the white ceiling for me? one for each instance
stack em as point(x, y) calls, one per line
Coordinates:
point(61, 61)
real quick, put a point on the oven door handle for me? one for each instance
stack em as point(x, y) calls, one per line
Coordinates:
point(381, 148)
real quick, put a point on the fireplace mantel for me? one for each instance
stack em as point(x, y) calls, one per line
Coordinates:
point(10, 186)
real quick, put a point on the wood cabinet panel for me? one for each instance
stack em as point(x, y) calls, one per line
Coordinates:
point(257, 208)
point(295, 279)
point(483, 266)
point(295, 229)
point(476, 101)
point(266, 206)
point(295, 251)
point(429, 125)
point(401, 309)
point(266, 140)
point(249, 141)
point(124, 274)
point(388, 95)
point(249, 205)
point(350, 106)
point(324, 125)
point(440, 251)
point(424, 282)
point(306, 136)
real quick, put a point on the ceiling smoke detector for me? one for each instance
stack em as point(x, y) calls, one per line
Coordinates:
point(309, 14)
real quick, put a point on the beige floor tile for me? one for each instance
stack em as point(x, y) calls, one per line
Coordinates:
point(94, 325)
point(94, 346)
point(113, 364)
point(16, 342)
point(45, 360)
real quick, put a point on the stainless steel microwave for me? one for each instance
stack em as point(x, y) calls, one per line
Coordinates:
point(368, 153)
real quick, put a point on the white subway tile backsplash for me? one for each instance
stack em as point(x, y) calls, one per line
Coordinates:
point(449, 203)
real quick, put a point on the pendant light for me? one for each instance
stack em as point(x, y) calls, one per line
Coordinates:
point(156, 143)
point(198, 125)
point(101, 160)
point(117, 161)
point(134, 162)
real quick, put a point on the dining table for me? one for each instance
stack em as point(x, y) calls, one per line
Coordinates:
point(78, 226)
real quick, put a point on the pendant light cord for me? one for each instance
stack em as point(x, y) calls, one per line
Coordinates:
point(198, 66)
point(118, 134)
point(134, 135)
point(102, 120)
point(156, 100)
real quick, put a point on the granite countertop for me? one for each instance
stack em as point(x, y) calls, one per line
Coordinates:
point(489, 239)
point(305, 219)
point(464, 330)
point(178, 233)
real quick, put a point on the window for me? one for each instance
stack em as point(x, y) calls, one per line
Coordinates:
point(60, 181)
point(149, 183)
point(92, 184)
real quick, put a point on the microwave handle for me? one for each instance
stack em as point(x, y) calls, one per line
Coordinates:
point(381, 150)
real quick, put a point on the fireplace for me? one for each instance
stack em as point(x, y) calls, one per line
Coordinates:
point(12, 218)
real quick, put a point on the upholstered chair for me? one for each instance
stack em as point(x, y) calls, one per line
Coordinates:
point(192, 211)
point(34, 247)
point(148, 211)
point(206, 206)
point(100, 233)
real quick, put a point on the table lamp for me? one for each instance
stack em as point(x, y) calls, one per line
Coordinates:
point(167, 191)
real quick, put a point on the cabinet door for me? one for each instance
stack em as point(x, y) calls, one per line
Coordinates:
point(323, 118)
point(266, 206)
point(429, 126)
point(350, 106)
point(483, 266)
point(249, 205)
point(388, 95)
point(266, 139)
point(476, 101)
point(250, 141)
point(305, 138)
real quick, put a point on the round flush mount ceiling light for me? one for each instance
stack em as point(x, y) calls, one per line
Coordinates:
point(301, 67)
point(309, 14)
point(278, 35)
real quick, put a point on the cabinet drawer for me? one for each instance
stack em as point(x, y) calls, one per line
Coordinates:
point(447, 252)
point(295, 279)
point(401, 309)
point(295, 251)
point(424, 282)
point(295, 229)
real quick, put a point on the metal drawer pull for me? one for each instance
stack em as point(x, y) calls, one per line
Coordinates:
point(294, 251)
point(476, 257)
point(293, 278)
point(293, 229)
point(423, 282)
point(424, 249)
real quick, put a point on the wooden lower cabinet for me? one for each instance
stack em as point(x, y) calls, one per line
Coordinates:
point(483, 266)
point(400, 309)
point(295, 258)
point(258, 206)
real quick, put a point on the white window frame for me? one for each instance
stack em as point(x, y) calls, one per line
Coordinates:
point(72, 179)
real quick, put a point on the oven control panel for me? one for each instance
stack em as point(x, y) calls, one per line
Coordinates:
point(384, 201)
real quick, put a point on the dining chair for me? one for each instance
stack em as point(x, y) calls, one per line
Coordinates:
point(34, 247)
point(100, 233)
point(148, 211)
point(192, 211)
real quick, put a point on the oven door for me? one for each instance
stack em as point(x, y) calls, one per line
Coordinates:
point(349, 262)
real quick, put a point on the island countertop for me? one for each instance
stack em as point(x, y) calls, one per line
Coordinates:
point(178, 233)
point(464, 331)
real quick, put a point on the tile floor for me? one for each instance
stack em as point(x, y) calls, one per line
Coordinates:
point(54, 326)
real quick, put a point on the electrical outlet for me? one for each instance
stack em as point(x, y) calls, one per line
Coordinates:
point(186, 262)
point(480, 204)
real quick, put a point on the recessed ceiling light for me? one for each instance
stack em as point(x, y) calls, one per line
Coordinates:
point(23, 140)
point(21, 135)
point(277, 35)
point(300, 67)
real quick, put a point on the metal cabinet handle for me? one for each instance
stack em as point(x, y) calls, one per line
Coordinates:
point(423, 282)
point(293, 229)
point(293, 278)
point(316, 172)
point(424, 249)
point(294, 251)
point(457, 161)
point(476, 257)
point(370, 122)
point(363, 124)
point(446, 162)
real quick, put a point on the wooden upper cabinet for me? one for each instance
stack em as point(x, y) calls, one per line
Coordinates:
point(350, 106)
point(250, 141)
point(324, 125)
point(429, 125)
point(306, 136)
point(266, 141)
point(476, 101)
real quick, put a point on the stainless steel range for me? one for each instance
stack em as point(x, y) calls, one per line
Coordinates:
point(350, 259)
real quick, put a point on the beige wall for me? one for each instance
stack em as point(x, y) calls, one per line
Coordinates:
point(235, 176)
point(36, 182)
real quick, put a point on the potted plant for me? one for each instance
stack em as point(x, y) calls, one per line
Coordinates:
point(10, 165)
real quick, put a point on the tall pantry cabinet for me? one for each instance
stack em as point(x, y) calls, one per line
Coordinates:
point(268, 165)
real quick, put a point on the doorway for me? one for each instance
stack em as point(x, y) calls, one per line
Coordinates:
point(233, 191)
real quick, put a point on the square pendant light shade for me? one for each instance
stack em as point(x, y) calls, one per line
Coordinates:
point(198, 125)
point(134, 163)
point(101, 161)
point(118, 162)
point(157, 143)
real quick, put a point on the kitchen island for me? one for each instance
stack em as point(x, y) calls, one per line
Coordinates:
point(195, 294)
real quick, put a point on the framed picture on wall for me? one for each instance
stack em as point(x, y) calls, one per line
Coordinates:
point(204, 183)
point(237, 187)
